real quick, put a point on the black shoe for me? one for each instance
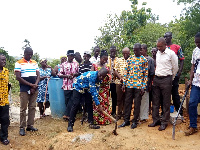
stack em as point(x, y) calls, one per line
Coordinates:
point(154, 124)
point(124, 124)
point(22, 131)
point(31, 129)
point(162, 127)
point(5, 142)
point(70, 129)
point(134, 125)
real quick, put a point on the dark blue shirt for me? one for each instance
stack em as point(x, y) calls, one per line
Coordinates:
point(89, 81)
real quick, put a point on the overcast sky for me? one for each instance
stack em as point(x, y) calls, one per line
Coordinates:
point(54, 26)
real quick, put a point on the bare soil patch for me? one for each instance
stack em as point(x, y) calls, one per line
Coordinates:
point(53, 135)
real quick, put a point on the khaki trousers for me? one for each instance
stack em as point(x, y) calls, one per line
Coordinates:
point(30, 101)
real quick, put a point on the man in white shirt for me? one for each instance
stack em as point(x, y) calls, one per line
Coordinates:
point(166, 69)
point(96, 58)
point(195, 90)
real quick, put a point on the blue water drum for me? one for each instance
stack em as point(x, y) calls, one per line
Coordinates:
point(56, 97)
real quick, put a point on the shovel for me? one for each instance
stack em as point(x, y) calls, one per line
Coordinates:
point(174, 123)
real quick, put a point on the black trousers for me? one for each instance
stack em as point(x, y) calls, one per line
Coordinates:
point(68, 101)
point(114, 97)
point(5, 122)
point(175, 95)
point(162, 87)
point(132, 93)
point(120, 100)
point(77, 98)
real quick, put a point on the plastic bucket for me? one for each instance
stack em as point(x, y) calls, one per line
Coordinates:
point(171, 109)
point(56, 97)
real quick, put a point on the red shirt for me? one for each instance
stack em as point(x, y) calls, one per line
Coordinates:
point(177, 49)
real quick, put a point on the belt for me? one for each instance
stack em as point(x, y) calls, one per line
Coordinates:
point(162, 77)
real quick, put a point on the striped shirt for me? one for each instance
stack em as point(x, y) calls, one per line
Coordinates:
point(28, 72)
point(136, 72)
point(27, 68)
point(85, 67)
point(111, 64)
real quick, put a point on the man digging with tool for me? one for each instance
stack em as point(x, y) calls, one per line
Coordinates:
point(89, 81)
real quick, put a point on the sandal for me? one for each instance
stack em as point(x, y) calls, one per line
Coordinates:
point(92, 126)
point(5, 142)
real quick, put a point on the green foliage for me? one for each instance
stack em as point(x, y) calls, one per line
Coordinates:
point(10, 61)
point(120, 31)
point(138, 26)
point(53, 63)
point(36, 57)
point(14, 82)
point(149, 34)
point(27, 44)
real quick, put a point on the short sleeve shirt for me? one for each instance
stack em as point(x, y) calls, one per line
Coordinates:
point(121, 63)
point(178, 50)
point(196, 61)
point(67, 69)
point(93, 60)
point(4, 75)
point(28, 72)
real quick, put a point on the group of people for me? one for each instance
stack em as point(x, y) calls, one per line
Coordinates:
point(89, 83)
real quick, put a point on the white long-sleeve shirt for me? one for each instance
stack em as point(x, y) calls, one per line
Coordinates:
point(166, 63)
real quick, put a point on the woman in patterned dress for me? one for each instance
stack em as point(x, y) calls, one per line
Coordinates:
point(100, 118)
point(45, 72)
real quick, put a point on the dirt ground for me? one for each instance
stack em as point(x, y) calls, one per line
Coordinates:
point(53, 135)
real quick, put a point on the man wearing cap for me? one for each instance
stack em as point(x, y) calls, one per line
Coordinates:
point(69, 70)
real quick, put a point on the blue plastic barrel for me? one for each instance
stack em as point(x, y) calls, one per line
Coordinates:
point(56, 97)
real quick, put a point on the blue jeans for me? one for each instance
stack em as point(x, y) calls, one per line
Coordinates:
point(193, 103)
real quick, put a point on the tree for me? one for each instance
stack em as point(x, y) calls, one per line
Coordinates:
point(27, 44)
point(150, 33)
point(53, 63)
point(120, 31)
point(36, 57)
point(185, 30)
point(10, 60)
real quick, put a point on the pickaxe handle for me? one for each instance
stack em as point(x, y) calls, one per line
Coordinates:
point(105, 113)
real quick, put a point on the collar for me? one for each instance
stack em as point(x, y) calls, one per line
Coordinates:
point(26, 60)
point(165, 51)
